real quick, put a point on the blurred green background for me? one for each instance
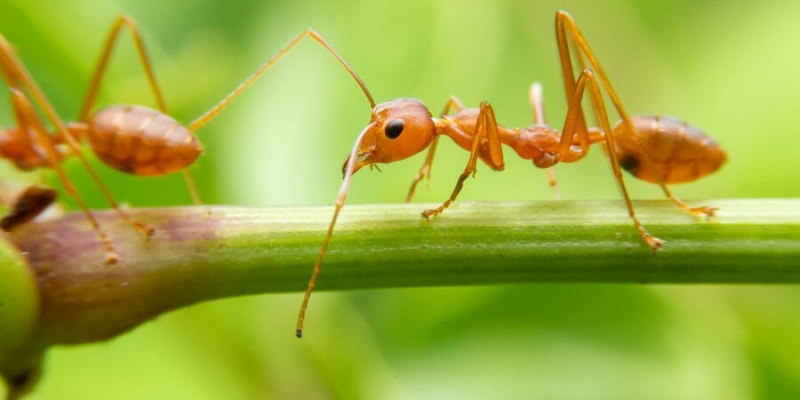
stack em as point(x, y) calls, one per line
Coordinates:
point(728, 67)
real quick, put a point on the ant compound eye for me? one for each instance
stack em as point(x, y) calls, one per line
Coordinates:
point(394, 128)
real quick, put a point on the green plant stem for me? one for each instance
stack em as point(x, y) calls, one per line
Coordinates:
point(196, 256)
point(59, 291)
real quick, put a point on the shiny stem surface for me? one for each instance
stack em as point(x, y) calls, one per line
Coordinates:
point(195, 257)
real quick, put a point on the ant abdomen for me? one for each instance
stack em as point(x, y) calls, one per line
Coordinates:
point(676, 151)
point(141, 141)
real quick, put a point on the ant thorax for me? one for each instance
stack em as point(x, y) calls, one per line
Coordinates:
point(538, 143)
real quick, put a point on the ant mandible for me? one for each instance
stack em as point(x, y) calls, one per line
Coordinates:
point(132, 139)
point(655, 149)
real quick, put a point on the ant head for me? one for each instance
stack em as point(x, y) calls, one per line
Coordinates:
point(398, 130)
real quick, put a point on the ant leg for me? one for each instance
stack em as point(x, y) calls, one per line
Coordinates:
point(187, 176)
point(537, 106)
point(7, 197)
point(425, 171)
point(97, 78)
point(453, 103)
point(567, 72)
point(29, 121)
point(485, 130)
point(7, 63)
point(588, 77)
point(566, 148)
point(704, 211)
point(553, 182)
point(16, 74)
point(537, 103)
point(567, 32)
point(565, 25)
point(121, 22)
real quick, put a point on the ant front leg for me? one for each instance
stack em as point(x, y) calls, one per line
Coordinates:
point(485, 130)
point(425, 171)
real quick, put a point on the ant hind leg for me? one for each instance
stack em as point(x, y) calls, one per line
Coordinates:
point(702, 211)
point(108, 47)
point(27, 118)
point(18, 77)
point(121, 22)
point(588, 78)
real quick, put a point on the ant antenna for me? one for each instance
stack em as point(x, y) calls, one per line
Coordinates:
point(351, 163)
point(212, 113)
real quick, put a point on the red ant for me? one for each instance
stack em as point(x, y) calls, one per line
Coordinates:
point(132, 139)
point(655, 149)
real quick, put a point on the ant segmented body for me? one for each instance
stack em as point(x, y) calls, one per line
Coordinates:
point(655, 149)
point(133, 139)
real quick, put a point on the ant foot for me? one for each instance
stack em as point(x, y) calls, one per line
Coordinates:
point(654, 242)
point(704, 211)
point(427, 214)
point(111, 258)
point(148, 231)
point(144, 229)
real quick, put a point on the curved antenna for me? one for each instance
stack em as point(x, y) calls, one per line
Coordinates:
point(214, 111)
point(351, 163)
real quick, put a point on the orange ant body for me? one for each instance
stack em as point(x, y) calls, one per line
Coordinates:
point(658, 150)
point(132, 139)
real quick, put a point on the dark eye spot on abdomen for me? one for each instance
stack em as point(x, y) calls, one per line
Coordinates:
point(630, 163)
